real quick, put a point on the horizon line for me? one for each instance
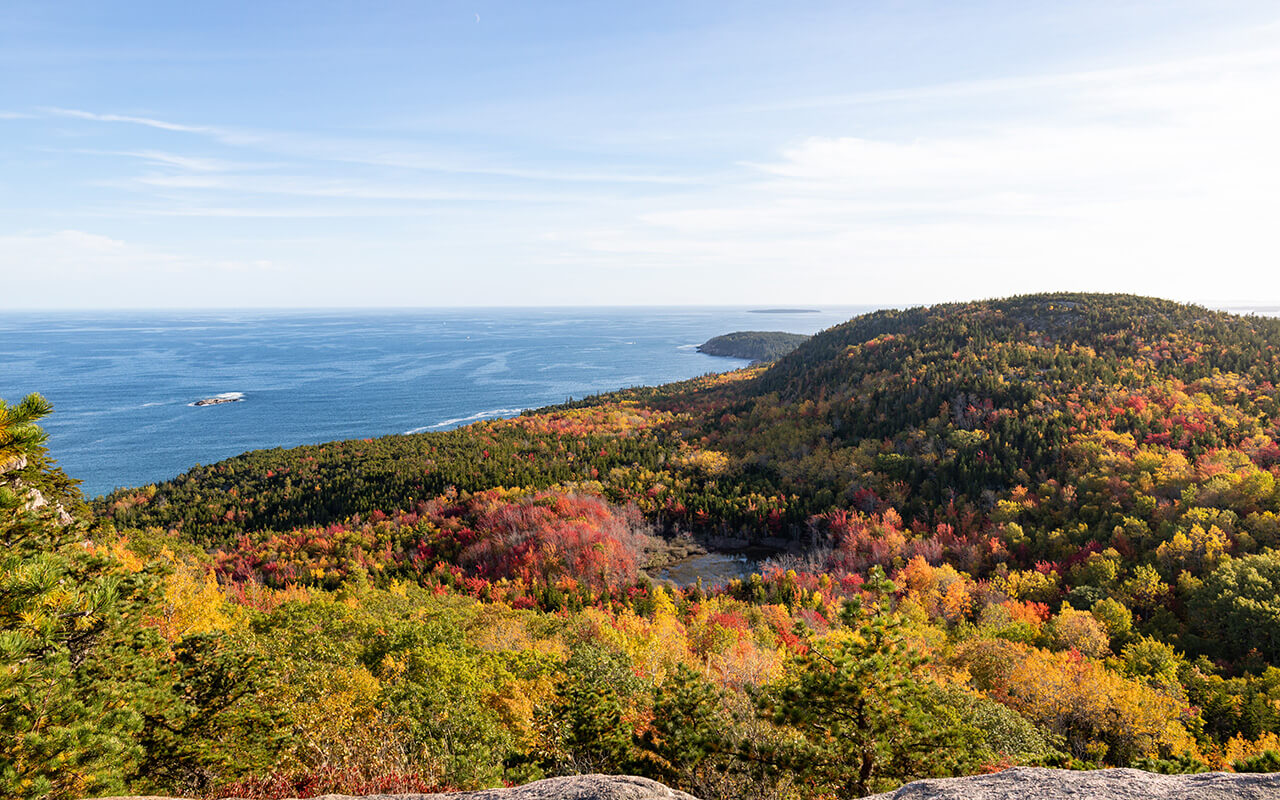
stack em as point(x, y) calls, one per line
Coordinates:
point(1270, 305)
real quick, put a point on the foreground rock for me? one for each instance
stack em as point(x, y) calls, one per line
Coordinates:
point(575, 787)
point(1032, 783)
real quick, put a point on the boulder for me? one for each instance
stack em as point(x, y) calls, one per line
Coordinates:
point(1035, 783)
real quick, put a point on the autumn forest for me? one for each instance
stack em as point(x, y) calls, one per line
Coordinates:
point(1041, 530)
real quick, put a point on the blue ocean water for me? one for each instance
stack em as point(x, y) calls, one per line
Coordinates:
point(122, 383)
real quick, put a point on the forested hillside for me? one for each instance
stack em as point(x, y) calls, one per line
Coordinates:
point(1038, 530)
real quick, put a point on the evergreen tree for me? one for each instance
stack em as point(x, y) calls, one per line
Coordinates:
point(588, 723)
point(75, 665)
point(92, 699)
point(864, 715)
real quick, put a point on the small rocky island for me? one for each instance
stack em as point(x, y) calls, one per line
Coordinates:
point(217, 401)
point(754, 345)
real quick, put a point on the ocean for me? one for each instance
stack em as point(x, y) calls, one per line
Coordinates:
point(122, 383)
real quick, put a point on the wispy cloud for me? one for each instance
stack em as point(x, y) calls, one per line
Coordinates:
point(189, 163)
point(379, 152)
point(408, 160)
point(246, 211)
point(224, 135)
point(160, 158)
point(146, 121)
point(296, 186)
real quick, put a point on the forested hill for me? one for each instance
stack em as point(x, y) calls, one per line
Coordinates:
point(1115, 327)
point(1040, 530)
point(965, 402)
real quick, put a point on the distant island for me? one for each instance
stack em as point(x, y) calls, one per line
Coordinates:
point(784, 311)
point(755, 345)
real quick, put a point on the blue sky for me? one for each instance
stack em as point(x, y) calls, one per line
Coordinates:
point(483, 153)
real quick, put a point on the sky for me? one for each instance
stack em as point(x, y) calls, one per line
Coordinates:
point(393, 154)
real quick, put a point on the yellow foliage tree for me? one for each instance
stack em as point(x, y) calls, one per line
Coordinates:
point(193, 603)
point(1079, 631)
point(1238, 748)
point(1030, 585)
point(1198, 550)
point(1099, 714)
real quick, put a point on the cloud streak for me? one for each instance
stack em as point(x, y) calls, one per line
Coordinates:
point(374, 152)
point(144, 121)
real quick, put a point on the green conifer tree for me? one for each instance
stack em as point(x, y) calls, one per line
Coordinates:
point(863, 714)
point(73, 661)
point(92, 700)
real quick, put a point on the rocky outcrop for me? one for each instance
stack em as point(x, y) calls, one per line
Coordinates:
point(34, 497)
point(1032, 783)
point(216, 401)
point(574, 787)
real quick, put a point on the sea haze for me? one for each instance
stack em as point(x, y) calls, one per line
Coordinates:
point(122, 383)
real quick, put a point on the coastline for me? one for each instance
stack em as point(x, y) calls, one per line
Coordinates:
point(123, 415)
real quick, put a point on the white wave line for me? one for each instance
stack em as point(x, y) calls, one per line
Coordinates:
point(495, 412)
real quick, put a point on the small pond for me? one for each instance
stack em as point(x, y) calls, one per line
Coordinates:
point(715, 569)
